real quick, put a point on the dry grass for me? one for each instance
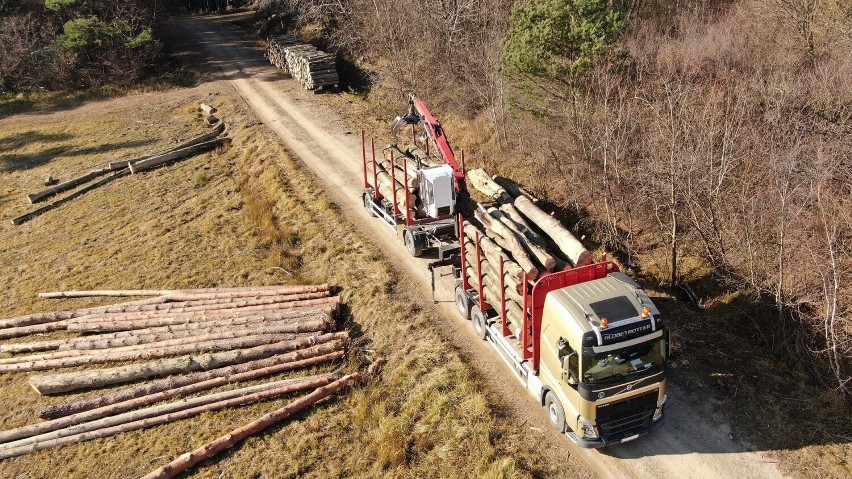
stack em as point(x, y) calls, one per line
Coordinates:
point(247, 215)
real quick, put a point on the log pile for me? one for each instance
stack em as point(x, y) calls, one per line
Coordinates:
point(193, 340)
point(312, 68)
point(396, 171)
point(118, 169)
point(529, 241)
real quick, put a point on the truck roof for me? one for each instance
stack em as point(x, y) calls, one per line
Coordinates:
point(615, 297)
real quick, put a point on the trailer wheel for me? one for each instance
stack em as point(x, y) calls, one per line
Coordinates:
point(463, 302)
point(554, 412)
point(477, 318)
point(367, 201)
point(414, 243)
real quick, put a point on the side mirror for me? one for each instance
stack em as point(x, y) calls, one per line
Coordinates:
point(567, 374)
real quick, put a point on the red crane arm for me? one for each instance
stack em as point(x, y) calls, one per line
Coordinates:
point(436, 132)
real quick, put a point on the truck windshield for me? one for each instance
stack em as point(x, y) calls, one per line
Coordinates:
point(620, 363)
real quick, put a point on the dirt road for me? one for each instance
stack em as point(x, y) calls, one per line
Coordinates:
point(692, 444)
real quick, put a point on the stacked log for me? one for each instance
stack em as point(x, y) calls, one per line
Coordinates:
point(312, 68)
point(201, 339)
point(276, 50)
point(529, 215)
point(515, 230)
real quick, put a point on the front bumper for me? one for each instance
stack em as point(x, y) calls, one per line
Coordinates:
point(626, 436)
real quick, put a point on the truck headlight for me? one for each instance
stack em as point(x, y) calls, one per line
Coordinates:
point(588, 429)
point(658, 413)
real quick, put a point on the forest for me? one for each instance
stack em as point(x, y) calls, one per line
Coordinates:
point(705, 142)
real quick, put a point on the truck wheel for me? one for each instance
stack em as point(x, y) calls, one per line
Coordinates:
point(414, 243)
point(477, 318)
point(554, 412)
point(463, 302)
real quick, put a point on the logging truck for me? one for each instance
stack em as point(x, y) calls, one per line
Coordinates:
point(589, 344)
point(582, 337)
point(414, 187)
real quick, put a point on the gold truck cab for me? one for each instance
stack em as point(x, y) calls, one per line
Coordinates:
point(603, 361)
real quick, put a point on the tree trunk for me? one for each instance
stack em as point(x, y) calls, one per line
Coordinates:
point(540, 253)
point(221, 341)
point(195, 320)
point(183, 153)
point(73, 381)
point(161, 414)
point(493, 252)
point(567, 243)
point(67, 185)
point(282, 289)
point(279, 362)
point(506, 238)
point(218, 130)
point(514, 216)
point(514, 189)
point(51, 316)
point(185, 461)
point(147, 400)
point(483, 183)
point(222, 303)
point(168, 338)
point(206, 109)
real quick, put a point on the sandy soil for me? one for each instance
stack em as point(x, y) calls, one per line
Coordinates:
point(694, 443)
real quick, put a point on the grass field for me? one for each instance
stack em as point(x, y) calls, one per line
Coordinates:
point(245, 215)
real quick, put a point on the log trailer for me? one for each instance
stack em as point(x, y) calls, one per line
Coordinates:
point(431, 222)
point(589, 345)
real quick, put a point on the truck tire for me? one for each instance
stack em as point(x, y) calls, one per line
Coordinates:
point(555, 413)
point(477, 318)
point(414, 243)
point(463, 302)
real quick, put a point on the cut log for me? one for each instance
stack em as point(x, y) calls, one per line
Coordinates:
point(67, 185)
point(218, 130)
point(194, 324)
point(494, 252)
point(276, 363)
point(51, 316)
point(146, 400)
point(483, 183)
point(573, 250)
point(175, 155)
point(169, 338)
point(212, 120)
point(73, 381)
point(138, 321)
point(44, 209)
point(512, 214)
point(540, 253)
point(507, 239)
point(167, 292)
point(206, 109)
point(104, 357)
point(220, 303)
point(165, 413)
point(514, 189)
point(185, 461)
point(221, 342)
